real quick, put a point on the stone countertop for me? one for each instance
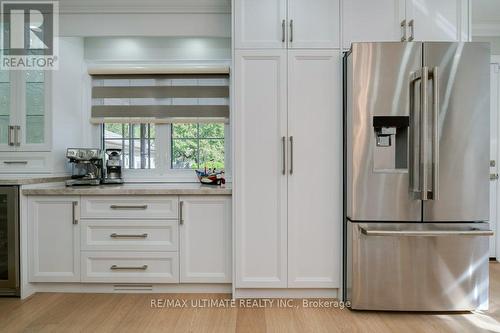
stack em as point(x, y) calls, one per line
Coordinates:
point(28, 180)
point(130, 189)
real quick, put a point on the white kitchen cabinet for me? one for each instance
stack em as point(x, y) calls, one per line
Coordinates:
point(54, 239)
point(25, 117)
point(405, 20)
point(205, 239)
point(130, 267)
point(260, 23)
point(287, 193)
point(313, 24)
point(130, 207)
point(260, 131)
point(370, 21)
point(443, 20)
point(315, 173)
point(264, 24)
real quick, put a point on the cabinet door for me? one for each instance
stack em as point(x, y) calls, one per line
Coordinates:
point(35, 130)
point(205, 239)
point(443, 20)
point(259, 120)
point(314, 24)
point(260, 24)
point(372, 21)
point(314, 173)
point(54, 239)
point(7, 105)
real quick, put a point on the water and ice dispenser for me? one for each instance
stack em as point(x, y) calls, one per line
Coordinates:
point(391, 143)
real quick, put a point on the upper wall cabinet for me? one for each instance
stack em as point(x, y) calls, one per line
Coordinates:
point(370, 21)
point(405, 20)
point(24, 111)
point(443, 20)
point(286, 24)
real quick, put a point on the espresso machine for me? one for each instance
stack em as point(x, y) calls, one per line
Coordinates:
point(86, 166)
point(113, 167)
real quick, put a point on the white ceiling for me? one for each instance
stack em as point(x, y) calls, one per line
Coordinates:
point(485, 11)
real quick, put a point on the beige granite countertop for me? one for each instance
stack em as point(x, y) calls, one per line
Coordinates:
point(130, 189)
point(28, 180)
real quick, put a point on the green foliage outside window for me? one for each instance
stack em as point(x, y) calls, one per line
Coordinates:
point(196, 146)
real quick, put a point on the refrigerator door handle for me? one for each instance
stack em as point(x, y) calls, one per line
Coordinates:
point(414, 78)
point(424, 135)
point(435, 133)
point(426, 233)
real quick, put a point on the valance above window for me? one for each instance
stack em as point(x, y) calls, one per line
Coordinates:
point(182, 95)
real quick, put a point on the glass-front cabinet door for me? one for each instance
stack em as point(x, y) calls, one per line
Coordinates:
point(7, 97)
point(24, 106)
point(34, 123)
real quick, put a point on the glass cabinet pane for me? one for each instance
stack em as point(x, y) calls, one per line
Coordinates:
point(5, 91)
point(35, 107)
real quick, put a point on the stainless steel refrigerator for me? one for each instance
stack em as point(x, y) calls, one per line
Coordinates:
point(416, 176)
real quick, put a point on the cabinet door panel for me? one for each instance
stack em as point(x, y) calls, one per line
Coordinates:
point(258, 23)
point(54, 239)
point(438, 20)
point(205, 238)
point(260, 186)
point(316, 24)
point(314, 181)
point(372, 21)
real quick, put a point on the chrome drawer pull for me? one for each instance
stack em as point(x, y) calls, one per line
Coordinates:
point(15, 162)
point(115, 267)
point(128, 207)
point(115, 235)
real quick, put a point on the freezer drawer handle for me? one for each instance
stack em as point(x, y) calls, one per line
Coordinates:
point(425, 233)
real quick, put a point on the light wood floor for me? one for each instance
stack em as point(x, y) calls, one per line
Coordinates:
point(54, 312)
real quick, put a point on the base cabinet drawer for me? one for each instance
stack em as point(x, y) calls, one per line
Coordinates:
point(129, 235)
point(25, 163)
point(130, 207)
point(133, 267)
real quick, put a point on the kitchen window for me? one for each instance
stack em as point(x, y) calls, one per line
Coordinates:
point(195, 146)
point(166, 125)
point(137, 142)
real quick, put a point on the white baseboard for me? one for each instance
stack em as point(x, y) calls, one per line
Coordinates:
point(143, 288)
point(285, 293)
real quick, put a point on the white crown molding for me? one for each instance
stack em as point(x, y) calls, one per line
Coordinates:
point(486, 29)
point(144, 6)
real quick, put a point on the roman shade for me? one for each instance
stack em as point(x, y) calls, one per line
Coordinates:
point(179, 94)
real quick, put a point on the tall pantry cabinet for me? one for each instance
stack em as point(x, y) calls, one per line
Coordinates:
point(287, 144)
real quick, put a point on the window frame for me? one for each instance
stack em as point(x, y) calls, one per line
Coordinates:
point(163, 170)
point(197, 139)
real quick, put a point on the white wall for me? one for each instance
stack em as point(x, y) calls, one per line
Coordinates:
point(157, 49)
point(67, 97)
point(204, 25)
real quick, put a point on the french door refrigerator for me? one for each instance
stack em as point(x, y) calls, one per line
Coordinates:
point(416, 176)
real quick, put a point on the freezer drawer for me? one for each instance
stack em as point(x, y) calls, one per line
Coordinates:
point(417, 266)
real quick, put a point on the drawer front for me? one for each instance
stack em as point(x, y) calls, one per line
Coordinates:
point(132, 207)
point(25, 163)
point(131, 267)
point(129, 235)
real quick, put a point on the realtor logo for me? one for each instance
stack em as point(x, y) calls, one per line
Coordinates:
point(28, 35)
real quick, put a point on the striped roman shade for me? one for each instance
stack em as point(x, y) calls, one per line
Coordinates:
point(160, 96)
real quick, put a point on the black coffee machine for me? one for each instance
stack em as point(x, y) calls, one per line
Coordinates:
point(113, 167)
